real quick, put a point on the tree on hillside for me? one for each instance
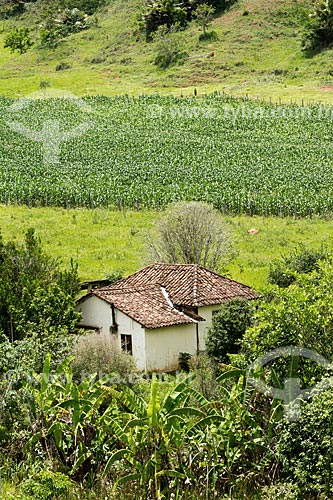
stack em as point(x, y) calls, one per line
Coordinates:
point(204, 14)
point(164, 13)
point(11, 7)
point(319, 29)
point(191, 233)
point(19, 40)
point(36, 296)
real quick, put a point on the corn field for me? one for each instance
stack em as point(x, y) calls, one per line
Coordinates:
point(145, 152)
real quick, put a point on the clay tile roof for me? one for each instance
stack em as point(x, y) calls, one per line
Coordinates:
point(188, 284)
point(149, 305)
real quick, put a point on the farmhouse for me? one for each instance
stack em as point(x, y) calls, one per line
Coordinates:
point(160, 311)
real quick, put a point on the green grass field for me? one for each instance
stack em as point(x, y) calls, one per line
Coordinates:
point(102, 241)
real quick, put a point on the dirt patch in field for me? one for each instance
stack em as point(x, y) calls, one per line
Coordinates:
point(327, 89)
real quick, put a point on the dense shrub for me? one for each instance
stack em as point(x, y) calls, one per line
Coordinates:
point(169, 47)
point(318, 33)
point(18, 39)
point(47, 485)
point(307, 445)
point(300, 315)
point(94, 354)
point(228, 327)
point(302, 261)
point(280, 491)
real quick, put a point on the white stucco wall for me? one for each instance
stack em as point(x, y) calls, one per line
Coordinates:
point(98, 313)
point(128, 326)
point(155, 349)
point(163, 346)
point(205, 312)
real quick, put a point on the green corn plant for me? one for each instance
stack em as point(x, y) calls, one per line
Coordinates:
point(231, 133)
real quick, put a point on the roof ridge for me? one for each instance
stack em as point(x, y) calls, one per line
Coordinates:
point(225, 277)
point(171, 304)
point(129, 288)
point(195, 285)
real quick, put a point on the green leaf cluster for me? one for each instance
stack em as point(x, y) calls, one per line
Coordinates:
point(37, 297)
point(18, 40)
point(228, 327)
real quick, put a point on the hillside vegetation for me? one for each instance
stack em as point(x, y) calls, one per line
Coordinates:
point(256, 50)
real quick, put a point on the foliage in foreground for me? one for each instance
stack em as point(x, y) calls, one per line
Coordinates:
point(228, 328)
point(94, 428)
point(37, 296)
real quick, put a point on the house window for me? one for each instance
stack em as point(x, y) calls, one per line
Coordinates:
point(126, 343)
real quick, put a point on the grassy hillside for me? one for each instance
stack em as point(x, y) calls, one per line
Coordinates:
point(258, 52)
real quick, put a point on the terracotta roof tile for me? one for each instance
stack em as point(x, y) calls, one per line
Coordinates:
point(149, 305)
point(188, 284)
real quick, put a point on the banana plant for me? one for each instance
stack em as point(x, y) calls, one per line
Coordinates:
point(153, 436)
point(64, 415)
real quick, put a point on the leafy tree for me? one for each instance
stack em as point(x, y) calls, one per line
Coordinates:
point(19, 40)
point(72, 21)
point(319, 29)
point(171, 12)
point(164, 12)
point(228, 327)
point(35, 294)
point(204, 14)
point(191, 233)
point(11, 8)
point(303, 260)
point(169, 46)
point(300, 315)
